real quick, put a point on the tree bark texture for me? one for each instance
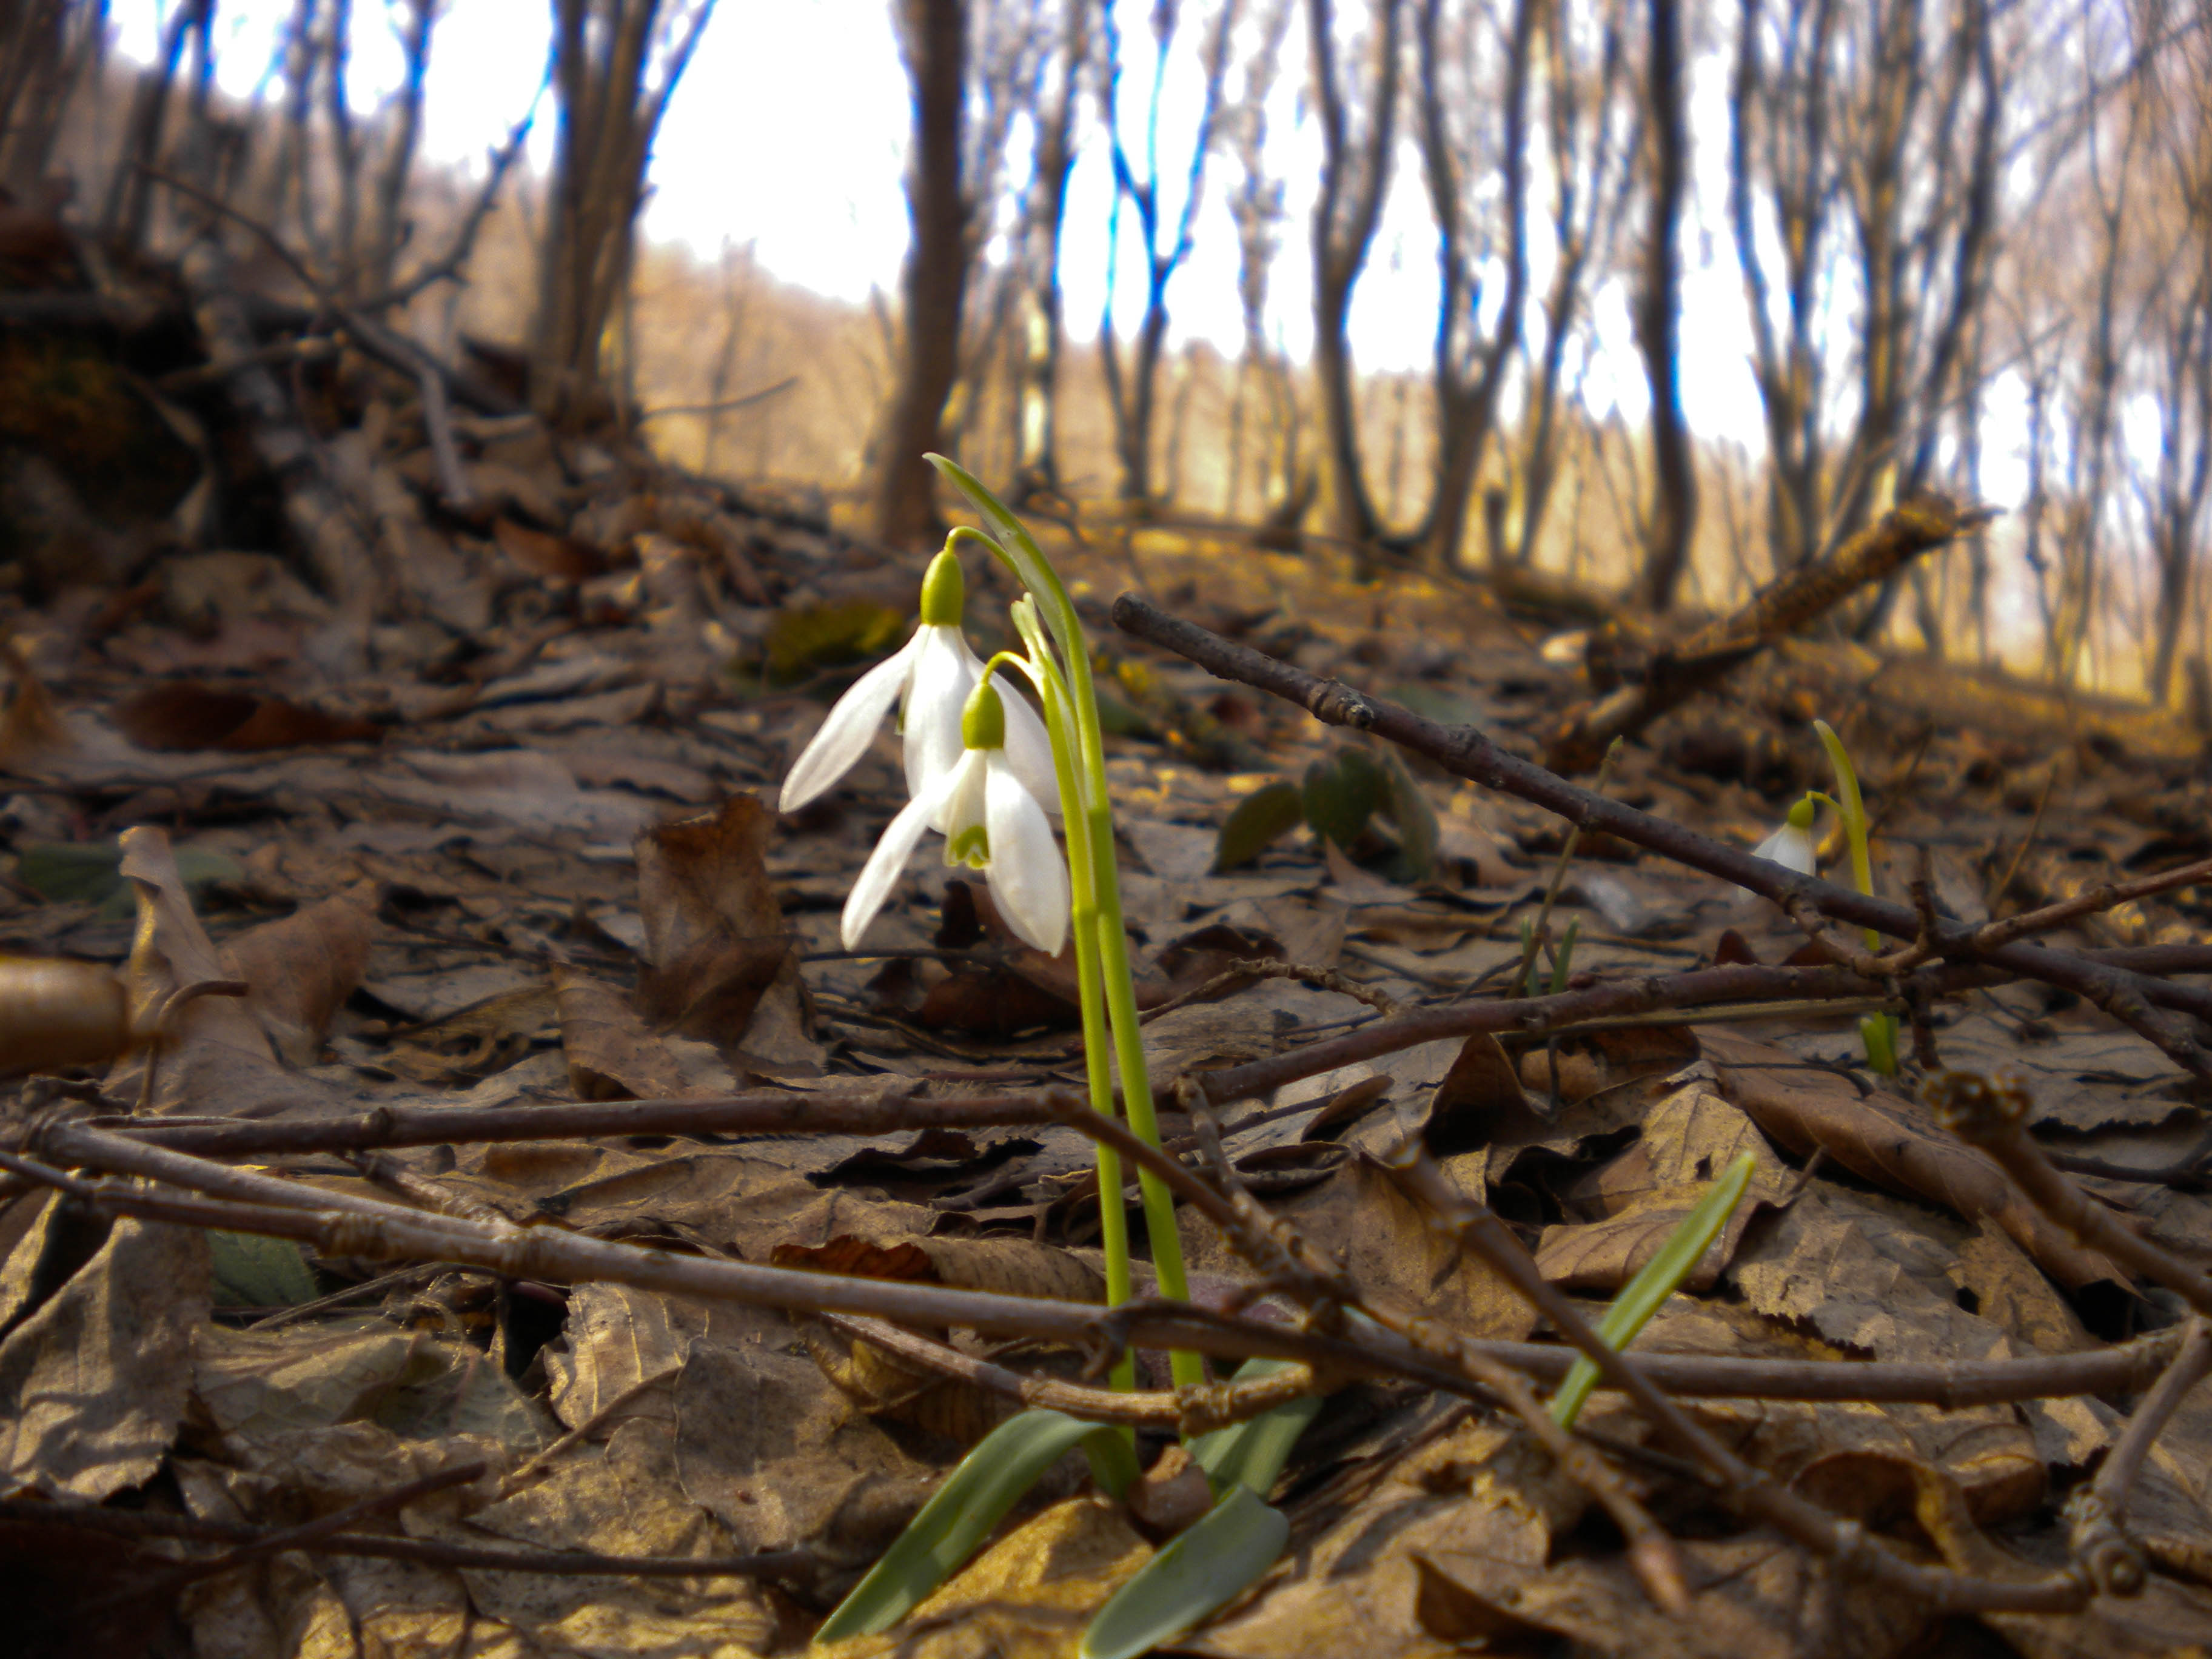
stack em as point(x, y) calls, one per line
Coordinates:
point(1673, 517)
point(934, 283)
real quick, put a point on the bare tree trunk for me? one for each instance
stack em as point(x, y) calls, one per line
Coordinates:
point(935, 33)
point(1674, 516)
point(1134, 393)
point(1037, 468)
point(1588, 190)
point(615, 64)
point(130, 193)
point(1354, 180)
point(1256, 208)
point(1470, 371)
point(388, 227)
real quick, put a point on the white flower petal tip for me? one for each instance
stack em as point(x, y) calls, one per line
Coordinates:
point(945, 671)
point(845, 734)
point(1792, 846)
point(887, 863)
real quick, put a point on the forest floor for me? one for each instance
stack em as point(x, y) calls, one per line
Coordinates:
point(482, 909)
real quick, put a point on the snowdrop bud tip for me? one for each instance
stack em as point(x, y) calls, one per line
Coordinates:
point(944, 591)
point(1801, 815)
point(983, 721)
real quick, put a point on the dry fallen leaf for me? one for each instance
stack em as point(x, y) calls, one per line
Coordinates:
point(298, 971)
point(611, 1054)
point(721, 966)
point(93, 1382)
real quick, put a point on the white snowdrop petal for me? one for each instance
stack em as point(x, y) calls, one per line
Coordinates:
point(1791, 848)
point(884, 866)
point(945, 671)
point(1028, 750)
point(844, 736)
point(1027, 878)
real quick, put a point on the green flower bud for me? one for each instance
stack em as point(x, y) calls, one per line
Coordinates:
point(1801, 815)
point(944, 591)
point(983, 721)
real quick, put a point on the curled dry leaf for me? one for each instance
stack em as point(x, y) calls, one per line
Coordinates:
point(1885, 1142)
point(1645, 1192)
point(721, 967)
point(32, 727)
point(185, 715)
point(207, 1051)
point(299, 970)
point(563, 558)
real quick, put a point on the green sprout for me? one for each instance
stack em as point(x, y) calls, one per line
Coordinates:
point(1877, 1031)
point(1656, 1281)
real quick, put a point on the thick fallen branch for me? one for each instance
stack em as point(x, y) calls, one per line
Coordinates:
point(1678, 672)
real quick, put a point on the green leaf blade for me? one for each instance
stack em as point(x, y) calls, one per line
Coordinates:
point(1657, 1280)
point(1252, 1454)
point(1199, 1572)
point(962, 1512)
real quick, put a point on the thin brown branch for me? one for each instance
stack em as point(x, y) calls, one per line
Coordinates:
point(2116, 1477)
point(324, 1527)
point(1189, 1411)
point(2105, 895)
point(547, 1254)
point(1467, 752)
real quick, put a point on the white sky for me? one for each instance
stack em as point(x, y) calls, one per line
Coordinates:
point(790, 132)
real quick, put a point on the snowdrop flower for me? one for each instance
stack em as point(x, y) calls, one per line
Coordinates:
point(930, 678)
point(991, 822)
point(1792, 846)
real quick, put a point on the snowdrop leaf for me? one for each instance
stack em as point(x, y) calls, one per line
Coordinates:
point(1200, 1570)
point(1260, 819)
point(1658, 1279)
point(1253, 1454)
point(973, 1499)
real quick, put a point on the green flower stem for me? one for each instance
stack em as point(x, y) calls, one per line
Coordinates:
point(1092, 803)
point(1877, 1031)
point(1852, 805)
point(1091, 992)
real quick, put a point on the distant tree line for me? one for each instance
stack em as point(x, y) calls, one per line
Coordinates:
point(1947, 218)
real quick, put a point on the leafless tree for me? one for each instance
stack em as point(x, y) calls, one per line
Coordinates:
point(615, 64)
point(1474, 93)
point(1044, 215)
point(48, 50)
point(1673, 517)
point(2177, 330)
point(130, 188)
point(1358, 128)
point(1164, 241)
point(1264, 375)
point(1882, 124)
point(933, 35)
point(1587, 143)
